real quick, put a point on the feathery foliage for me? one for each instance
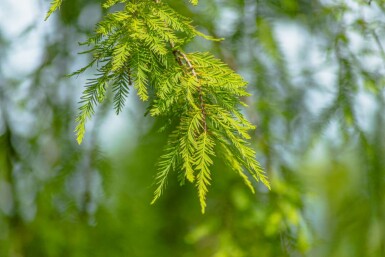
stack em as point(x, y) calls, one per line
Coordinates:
point(55, 4)
point(142, 45)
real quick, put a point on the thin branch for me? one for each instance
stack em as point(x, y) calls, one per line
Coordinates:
point(178, 54)
point(175, 53)
point(199, 90)
point(202, 104)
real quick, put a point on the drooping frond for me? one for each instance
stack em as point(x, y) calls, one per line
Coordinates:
point(232, 132)
point(120, 88)
point(140, 68)
point(205, 149)
point(55, 4)
point(120, 55)
point(190, 127)
point(167, 163)
point(231, 160)
point(195, 94)
point(93, 94)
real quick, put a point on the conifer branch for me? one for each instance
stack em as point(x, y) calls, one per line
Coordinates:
point(141, 46)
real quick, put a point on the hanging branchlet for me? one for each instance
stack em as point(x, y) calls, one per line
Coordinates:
point(180, 55)
point(141, 45)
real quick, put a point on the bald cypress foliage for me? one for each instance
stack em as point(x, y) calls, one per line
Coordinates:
point(141, 47)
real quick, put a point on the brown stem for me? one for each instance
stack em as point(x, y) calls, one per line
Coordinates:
point(178, 55)
point(199, 88)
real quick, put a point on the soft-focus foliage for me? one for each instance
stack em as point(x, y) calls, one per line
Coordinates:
point(316, 74)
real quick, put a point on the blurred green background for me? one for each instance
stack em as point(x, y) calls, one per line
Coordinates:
point(316, 71)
